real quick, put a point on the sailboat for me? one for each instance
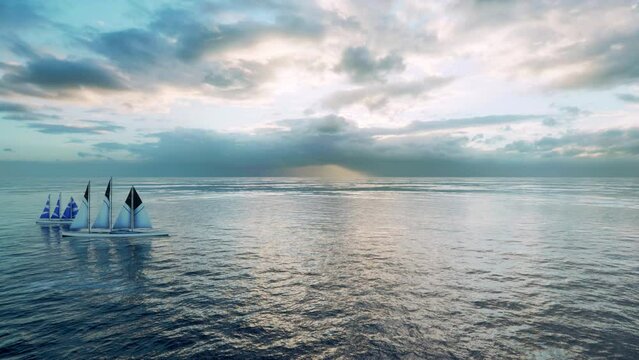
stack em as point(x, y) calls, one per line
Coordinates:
point(132, 221)
point(56, 218)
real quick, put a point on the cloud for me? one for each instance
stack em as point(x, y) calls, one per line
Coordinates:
point(8, 150)
point(240, 79)
point(244, 62)
point(21, 112)
point(8, 107)
point(195, 38)
point(41, 75)
point(598, 63)
point(109, 146)
point(377, 96)
point(319, 141)
point(631, 98)
point(86, 155)
point(574, 111)
point(334, 140)
point(132, 48)
point(606, 144)
point(90, 127)
point(362, 66)
point(460, 123)
point(576, 44)
point(188, 34)
point(187, 47)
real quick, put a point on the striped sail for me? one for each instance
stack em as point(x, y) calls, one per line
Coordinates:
point(81, 220)
point(56, 211)
point(45, 211)
point(104, 219)
point(71, 210)
point(140, 216)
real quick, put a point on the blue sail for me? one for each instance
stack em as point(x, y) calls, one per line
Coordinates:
point(45, 211)
point(56, 211)
point(68, 212)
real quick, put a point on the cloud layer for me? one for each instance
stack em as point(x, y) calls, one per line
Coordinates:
point(333, 140)
point(258, 87)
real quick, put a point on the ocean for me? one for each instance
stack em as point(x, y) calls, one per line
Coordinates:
point(450, 268)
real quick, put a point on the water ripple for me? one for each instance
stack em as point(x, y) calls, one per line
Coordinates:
point(300, 268)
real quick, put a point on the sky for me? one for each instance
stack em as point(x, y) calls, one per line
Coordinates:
point(370, 88)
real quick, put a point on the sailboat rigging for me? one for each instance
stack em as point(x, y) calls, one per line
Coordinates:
point(132, 221)
point(55, 218)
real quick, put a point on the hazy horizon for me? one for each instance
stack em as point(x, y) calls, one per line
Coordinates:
point(138, 169)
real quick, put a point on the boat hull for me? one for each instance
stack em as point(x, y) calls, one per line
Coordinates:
point(115, 234)
point(54, 221)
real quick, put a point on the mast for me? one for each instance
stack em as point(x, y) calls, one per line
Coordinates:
point(89, 208)
point(132, 207)
point(111, 204)
point(59, 206)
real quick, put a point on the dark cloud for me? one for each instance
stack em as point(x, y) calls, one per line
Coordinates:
point(20, 112)
point(53, 74)
point(239, 79)
point(361, 66)
point(329, 140)
point(8, 150)
point(8, 107)
point(631, 98)
point(109, 146)
point(132, 48)
point(338, 141)
point(377, 96)
point(86, 155)
point(89, 127)
point(608, 143)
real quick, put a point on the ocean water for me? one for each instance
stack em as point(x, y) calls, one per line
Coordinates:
point(289, 268)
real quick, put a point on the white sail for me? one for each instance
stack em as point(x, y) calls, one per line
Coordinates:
point(140, 217)
point(103, 220)
point(123, 221)
point(81, 220)
point(126, 223)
